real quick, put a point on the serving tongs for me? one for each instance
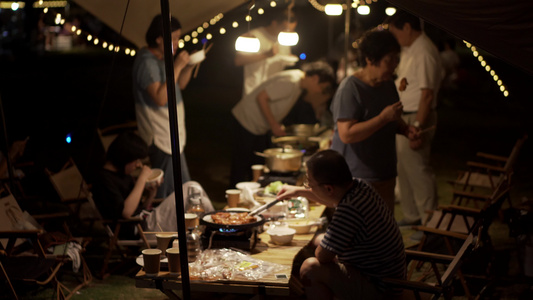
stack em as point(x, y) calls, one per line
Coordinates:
point(263, 207)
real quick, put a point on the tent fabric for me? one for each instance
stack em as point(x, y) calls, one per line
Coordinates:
point(191, 13)
point(502, 28)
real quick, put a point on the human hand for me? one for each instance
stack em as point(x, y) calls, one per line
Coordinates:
point(415, 138)
point(146, 171)
point(182, 59)
point(392, 112)
point(278, 130)
point(288, 192)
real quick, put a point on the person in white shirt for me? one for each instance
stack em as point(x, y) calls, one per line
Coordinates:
point(261, 112)
point(421, 66)
point(271, 57)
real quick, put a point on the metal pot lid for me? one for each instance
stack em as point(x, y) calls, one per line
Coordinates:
point(283, 153)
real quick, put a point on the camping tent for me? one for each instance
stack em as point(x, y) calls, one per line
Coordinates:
point(191, 13)
point(502, 28)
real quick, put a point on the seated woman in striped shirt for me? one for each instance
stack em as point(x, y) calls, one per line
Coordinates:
point(362, 244)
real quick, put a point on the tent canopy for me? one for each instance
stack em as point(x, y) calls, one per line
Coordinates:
point(191, 13)
point(502, 28)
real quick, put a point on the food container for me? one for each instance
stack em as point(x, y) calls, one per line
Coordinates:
point(282, 160)
point(155, 177)
point(196, 57)
point(281, 235)
point(302, 226)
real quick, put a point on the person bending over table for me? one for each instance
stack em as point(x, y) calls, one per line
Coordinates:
point(117, 194)
point(362, 244)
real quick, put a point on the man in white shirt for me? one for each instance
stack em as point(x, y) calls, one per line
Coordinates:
point(271, 57)
point(421, 66)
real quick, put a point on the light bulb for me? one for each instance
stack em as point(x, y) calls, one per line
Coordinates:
point(286, 38)
point(363, 10)
point(333, 9)
point(247, 44)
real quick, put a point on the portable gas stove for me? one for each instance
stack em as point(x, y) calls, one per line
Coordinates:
point(244, 236)
point(245, 239)
point(291, 178)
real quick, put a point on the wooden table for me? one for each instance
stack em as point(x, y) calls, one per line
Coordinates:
point(264, 250)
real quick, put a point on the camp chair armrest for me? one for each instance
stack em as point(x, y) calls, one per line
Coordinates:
point(470, 211)
point(474, 196)
point(441, 232)
point(475, 164)
point(21, 233)
point(56, 215)
point(412, 285)
point(427, 256)
point(492, 156)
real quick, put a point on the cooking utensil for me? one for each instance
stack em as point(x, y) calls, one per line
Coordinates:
point(282, 160)
point(263, 207)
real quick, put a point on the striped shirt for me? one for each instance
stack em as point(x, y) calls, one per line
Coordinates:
point(363, 234)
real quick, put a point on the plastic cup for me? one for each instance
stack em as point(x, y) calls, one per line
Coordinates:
point(233, 196)
point(173, 255)
point(257, 171)
point(163, 240)
point(191, 220)
point(151, 258)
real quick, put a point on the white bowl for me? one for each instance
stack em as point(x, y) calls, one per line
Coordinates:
point(302, 226)
point(196, 57)
point(281, 235)
point(252, 185)
point(155, 177)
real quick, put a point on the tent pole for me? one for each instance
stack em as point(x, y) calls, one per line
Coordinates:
point(174, 138)
point(347, 35)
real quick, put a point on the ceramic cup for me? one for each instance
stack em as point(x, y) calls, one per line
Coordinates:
point(163, 241)
point(173, 255)
point(151, 258)
point(233, 196)
point(191, 220)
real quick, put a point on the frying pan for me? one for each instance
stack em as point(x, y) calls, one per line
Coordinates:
point(208, 222)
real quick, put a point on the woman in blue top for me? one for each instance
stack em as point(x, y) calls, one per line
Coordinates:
point(367, 115)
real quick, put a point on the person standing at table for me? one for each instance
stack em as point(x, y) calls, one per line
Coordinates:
point(151, 103)
point(367, 115)
point(261, 112)
point(271, 57)
point(362, 243)
point(420, 64)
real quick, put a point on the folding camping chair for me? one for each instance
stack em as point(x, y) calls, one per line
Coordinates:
point(489, 173)
point(442, 285)
point(455, 222)
point(108, 134)
point(72, 188)
point(34, 265)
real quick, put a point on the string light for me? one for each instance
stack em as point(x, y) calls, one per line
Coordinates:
point(195, 39)
point(487, 68)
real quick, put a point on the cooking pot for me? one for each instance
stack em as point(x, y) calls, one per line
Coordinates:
point(296, 142)
point(305, 130)
point(282, 160)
